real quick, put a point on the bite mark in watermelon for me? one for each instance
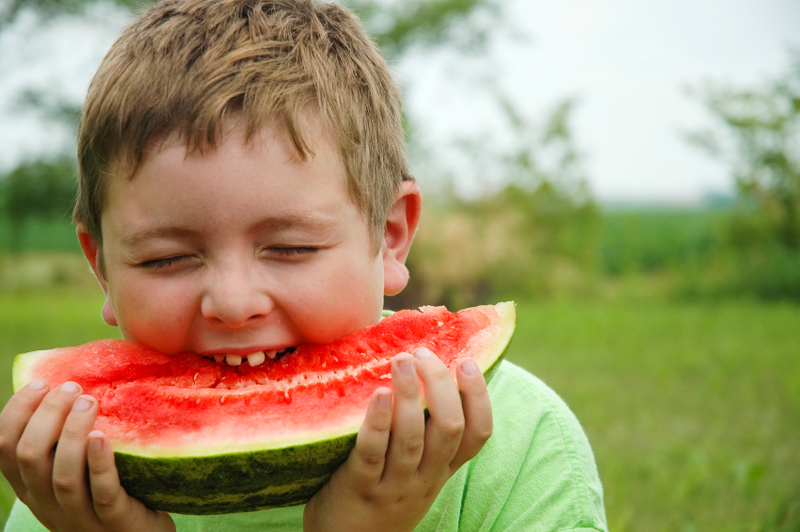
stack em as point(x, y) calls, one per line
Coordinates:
point(195, 436)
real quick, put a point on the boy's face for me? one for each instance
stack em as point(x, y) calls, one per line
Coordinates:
point(242, 249)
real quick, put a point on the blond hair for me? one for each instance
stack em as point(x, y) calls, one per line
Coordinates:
point(185, 66)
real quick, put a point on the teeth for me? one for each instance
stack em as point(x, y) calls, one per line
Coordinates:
point(254, 359)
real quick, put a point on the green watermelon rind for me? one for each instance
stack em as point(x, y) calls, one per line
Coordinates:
point(235, 481)
point(225, 483)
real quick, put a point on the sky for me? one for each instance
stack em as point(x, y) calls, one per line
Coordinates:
point(629, 65)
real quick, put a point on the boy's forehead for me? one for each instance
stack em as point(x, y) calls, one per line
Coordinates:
point(173, 161)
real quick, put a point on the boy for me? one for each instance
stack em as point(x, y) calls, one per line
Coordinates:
point(244, 189)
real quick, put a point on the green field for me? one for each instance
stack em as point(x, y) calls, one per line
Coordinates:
point(691, 408)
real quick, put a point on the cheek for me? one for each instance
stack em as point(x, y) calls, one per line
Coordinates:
point(153, 315)
point(352, 297)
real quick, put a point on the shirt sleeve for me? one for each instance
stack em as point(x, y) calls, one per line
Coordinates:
point(22, 520)
point(536, 473)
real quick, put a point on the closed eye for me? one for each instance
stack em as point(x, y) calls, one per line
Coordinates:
point(166, 262)
point(292, 251)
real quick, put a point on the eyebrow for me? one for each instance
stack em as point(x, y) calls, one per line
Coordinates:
point(291, 221)
point(135, 237)
point(276, 223)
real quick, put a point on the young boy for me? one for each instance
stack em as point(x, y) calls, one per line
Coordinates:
point(244, 189)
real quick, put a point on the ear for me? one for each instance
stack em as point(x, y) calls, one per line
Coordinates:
point(401, 224)
point(92, 252)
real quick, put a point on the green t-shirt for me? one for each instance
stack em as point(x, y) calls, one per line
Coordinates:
point(536, 473)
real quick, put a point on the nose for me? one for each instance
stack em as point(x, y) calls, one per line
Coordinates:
point(233, 295)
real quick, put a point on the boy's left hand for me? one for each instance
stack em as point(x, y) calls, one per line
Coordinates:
point(62, 469)
point(401, 461)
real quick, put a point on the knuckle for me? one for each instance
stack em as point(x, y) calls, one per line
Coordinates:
point(28, 455)
point(452, 429)
point(106, 503)
point(98, 469)
point(408, 391)
point(51, 404)
point(372, 459)
point(441, 373)
point(65, 484)
point(370, 498)
point(483, 434)
point(70, 433)
point(414, 444)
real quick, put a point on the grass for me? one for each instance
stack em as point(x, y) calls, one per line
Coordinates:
point(691, 407)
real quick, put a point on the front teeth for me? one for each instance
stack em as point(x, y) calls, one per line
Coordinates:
point(254, 359)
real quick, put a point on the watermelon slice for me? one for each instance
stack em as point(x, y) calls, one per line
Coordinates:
point(192, 435)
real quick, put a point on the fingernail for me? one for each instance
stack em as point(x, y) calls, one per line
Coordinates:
point(385, 401)
point(423, 352)
point(38, 384)
point(469, 367)
point(82, 404)
point(406, 366)
point(70, 387)
point(95, 443)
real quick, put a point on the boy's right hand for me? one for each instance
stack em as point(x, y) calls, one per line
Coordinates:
point(401, 461)
point(52, 479)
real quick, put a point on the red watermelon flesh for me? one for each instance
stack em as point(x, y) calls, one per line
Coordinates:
point(153, 404)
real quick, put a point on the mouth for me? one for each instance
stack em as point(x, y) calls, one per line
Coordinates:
point(254, 359)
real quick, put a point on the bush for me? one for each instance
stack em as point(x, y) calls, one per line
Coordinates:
point(41, 189)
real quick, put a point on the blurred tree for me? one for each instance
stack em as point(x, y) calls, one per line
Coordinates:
point(41, 189)
point(758, 137)
point(535, 235)
point(395, 26)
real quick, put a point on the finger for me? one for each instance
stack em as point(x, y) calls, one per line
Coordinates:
point(13, 420)
point(110, 500)
point(69, 465)
point(366, 461)
point(407, 438)
point(112, 505)
point(35, 449)
point(445, 426)
point(477, 412)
